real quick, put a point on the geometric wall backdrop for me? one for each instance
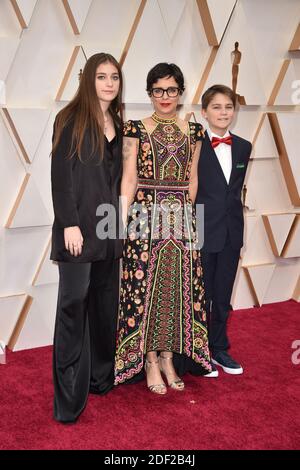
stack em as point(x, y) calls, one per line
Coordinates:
point(43, 45)
point(263, 141)
point(278, 227)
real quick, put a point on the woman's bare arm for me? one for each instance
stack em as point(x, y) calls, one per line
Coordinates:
point(129, 177)
point(193, 185)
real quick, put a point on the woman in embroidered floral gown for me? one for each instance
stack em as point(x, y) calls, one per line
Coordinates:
point(162, 298)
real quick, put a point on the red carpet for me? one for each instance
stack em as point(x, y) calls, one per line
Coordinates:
point(258, 410)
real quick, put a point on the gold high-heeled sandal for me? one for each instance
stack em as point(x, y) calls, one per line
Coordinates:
point(159, 389)
point(177, 384)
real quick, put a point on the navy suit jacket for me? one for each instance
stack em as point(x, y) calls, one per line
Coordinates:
point(223, 210)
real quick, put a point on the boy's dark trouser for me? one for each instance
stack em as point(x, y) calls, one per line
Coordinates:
point(219, 271)
point(85, 334)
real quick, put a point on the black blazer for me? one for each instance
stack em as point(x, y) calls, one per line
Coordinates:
point(78, 189)
point(223, 211)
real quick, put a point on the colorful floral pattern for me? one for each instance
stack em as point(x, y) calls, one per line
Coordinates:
point(162, 295)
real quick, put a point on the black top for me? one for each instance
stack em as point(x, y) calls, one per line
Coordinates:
point(223, 210)
point(78, 188)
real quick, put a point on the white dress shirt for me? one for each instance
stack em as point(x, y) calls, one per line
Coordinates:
point(223, 152)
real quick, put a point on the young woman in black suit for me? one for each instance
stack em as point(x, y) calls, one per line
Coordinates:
point(85, 174)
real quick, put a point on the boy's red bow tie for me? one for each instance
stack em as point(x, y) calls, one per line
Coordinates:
point(215, 141)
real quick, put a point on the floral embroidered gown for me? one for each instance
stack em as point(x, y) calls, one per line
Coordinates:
point(162, 295)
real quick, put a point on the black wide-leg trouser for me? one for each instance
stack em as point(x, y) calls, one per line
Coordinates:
point(85, 334)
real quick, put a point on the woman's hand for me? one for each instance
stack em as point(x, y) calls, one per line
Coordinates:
point(73, 240)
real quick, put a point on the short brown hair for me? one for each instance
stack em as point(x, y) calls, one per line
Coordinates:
point(214, 90)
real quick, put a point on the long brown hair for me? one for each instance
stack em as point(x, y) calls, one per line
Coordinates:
point(85, 112)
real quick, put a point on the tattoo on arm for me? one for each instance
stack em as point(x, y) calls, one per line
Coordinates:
point(127, 148)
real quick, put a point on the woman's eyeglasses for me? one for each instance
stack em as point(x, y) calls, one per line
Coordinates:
point(172, 92)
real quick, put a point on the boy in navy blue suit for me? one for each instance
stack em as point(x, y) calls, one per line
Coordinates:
point(221, 172)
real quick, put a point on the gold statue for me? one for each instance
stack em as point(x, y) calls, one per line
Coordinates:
point(244, 196)
point(236, 57)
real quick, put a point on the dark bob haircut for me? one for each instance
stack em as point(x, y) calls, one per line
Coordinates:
point(214, 90)
point(165, 70)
